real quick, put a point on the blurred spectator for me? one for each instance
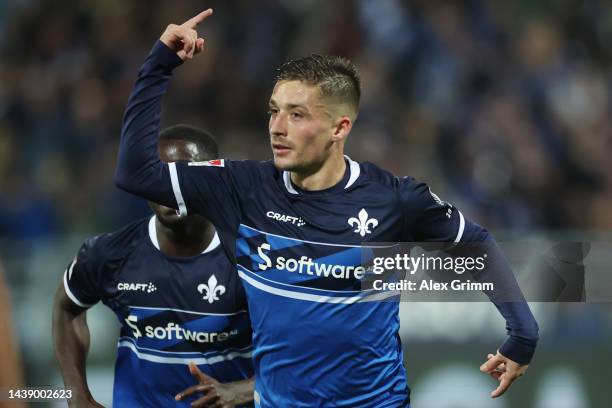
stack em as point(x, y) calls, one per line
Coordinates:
point(502, 108)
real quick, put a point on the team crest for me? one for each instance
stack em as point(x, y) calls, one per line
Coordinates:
point(363, 223)
point(211, 290)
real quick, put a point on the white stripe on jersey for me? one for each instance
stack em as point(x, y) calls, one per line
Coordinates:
point(68, 275)
point(461, 227)
point(178, 360)
point(355, 171)
point(288, 185)
point(196, 353)
point(320, 243)
point(188, 311)
point(214, 242)
point(316, 298)
point(182, 208)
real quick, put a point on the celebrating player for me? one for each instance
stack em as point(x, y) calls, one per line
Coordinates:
point(297, 226)
point(177, 296)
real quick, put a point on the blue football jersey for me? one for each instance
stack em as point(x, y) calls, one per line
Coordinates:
point(172, 311)
point(319, 339)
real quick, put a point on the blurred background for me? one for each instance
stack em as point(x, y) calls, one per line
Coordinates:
point(502, 107)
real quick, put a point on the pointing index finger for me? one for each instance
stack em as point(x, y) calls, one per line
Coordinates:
point(194, 21)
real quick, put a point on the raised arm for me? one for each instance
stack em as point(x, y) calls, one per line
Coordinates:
point(71, 344)
point(139, 169)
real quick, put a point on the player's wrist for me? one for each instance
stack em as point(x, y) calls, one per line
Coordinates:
point(165, 57)
point(518, 351)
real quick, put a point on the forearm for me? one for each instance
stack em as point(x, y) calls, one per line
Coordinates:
point(507, 296)
point(521, 325)
point(139, 169)
point(71, 344)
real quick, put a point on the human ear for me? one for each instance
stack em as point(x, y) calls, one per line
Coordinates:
point(341, 128)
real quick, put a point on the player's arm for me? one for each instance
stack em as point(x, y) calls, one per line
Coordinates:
point(207, 188)
point(216, 394)
point(436, 220)
point(71, 344)
point(81, 288)
point(514, 355)
point(139, 169)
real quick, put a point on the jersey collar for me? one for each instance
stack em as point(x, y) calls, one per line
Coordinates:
point(353, 169)
point(214, 243)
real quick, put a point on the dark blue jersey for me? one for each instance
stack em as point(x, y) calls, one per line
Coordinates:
point(319, 339)
point(172, 311)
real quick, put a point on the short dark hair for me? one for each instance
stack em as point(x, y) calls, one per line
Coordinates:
point(205, 141)
point(337, 77)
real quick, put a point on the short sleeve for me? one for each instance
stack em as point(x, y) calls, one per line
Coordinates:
point(427, 217)
point(82, 276)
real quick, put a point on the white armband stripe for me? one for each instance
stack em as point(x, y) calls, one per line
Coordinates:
point(182, 208)
point(69, 292)
point(461, 227)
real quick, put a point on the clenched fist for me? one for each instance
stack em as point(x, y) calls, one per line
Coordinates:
point(183, 39)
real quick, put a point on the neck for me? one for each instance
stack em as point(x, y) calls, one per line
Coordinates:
point(184, 241)
point(325, 176)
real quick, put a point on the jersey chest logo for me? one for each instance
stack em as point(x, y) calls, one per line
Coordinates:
point(363, 223)
point(137, 287)
point(286, 218)
point(211, 290)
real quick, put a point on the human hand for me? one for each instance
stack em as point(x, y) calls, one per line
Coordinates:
point(183, 39)
point(503, 370)
point(215, 394)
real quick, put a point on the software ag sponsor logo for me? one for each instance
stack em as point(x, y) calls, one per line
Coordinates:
point(307, 266)
point(174, 331)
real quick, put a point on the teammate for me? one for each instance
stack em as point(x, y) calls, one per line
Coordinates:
point(297, 226)
point(176, 295)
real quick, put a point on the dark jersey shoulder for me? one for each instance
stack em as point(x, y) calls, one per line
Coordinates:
point(375, 174)
point(99, 256)
point(250, 173)
point(116, 245)
point(425, 216)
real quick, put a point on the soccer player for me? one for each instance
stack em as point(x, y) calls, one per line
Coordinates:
point(297, 226)
point(176, 295)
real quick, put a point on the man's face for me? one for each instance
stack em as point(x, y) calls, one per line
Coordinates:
point(300, 126)
point(171, 151)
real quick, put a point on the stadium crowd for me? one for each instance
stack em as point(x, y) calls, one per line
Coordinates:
point(502, 107)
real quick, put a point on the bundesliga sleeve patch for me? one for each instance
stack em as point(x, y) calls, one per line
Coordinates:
point(209, 163)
